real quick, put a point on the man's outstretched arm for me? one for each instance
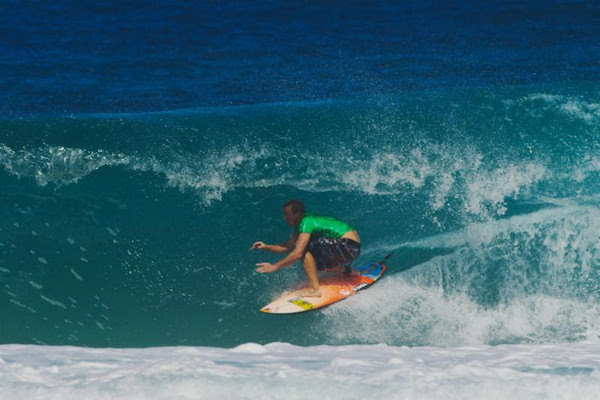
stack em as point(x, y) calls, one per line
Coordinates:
point(275, 248)
point(291, 258)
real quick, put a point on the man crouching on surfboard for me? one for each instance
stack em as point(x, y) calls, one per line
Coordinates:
point(322, 243)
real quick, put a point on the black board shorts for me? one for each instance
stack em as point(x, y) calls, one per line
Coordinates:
point(329, 252)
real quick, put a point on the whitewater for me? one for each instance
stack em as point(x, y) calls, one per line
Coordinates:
point(280, 370)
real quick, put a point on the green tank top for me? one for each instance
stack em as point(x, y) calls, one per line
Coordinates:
point(320, 225)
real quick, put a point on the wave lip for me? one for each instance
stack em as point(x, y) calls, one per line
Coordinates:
point(448, 174)
point(59, 165)
point(210, 176)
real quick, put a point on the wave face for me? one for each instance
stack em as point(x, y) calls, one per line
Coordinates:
point(130, 230)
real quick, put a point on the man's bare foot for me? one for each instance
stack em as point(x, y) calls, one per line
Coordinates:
point(354, 272)
point(310, 293)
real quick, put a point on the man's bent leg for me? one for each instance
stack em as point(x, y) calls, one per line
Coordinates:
point(310, 267)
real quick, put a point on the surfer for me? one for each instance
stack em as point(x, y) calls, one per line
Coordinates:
point(322, 243)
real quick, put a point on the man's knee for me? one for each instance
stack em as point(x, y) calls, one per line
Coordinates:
point(308, 260)
point(307, 256)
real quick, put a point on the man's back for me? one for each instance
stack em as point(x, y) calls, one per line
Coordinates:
point(320, 225)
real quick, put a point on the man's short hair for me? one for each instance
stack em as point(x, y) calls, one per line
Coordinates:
point(296, 205)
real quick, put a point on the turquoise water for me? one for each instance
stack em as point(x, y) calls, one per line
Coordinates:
point(133, 229)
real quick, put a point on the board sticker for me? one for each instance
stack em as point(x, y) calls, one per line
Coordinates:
point(302, 303)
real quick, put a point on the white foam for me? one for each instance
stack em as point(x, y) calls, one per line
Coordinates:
point(210, 176)
point(486, 232)
point(36, 285)
point(549, 98)
point(76, 275)
point(448, 173)
point(279, 370)
point(444, 173)
point(588, 112)
point(19, 304)
point(590, 165)
point(214, 175)
point(253, 348)
point(53, 302)
point(59, 165)
point(566, 237)
point(400, 311)
point(492, 187)
point(538, 264)
point(568, 105)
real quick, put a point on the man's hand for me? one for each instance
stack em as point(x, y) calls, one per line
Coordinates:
point(265, 267)
point(259, 246)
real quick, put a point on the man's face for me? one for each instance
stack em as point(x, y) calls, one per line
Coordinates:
point(291, 218)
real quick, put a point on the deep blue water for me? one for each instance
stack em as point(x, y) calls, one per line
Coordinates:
point(144, 147)
point(105, 56)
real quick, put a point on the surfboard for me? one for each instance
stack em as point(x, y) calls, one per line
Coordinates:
point(333, 289)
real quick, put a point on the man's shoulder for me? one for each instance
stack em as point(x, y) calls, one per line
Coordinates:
point(314, 215)
point(308, 216)
point(307, 223)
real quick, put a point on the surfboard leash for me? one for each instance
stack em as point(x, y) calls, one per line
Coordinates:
point(387, 257)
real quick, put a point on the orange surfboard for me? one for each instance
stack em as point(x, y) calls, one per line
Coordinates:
point(333, 289)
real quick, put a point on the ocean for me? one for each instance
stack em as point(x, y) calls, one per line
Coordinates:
point(145, 146)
